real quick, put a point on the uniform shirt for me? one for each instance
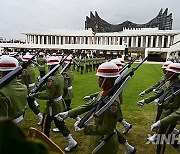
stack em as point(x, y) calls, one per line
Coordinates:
point(157, 95)
point(13, 99)
point(173, 118)
point(104, 124)
point(29, 77)
point(171, 105)
point(54, 89)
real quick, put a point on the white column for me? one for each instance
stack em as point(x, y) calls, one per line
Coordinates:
point(64, 40)
point(34, 36)
point(47, 39)
point(162, 42)
point(168, 42)
point(29, 38)
point(127, 41)
point(59, 39)
point(146, 41)
point(38, 39)
point(146, 53)
point(137, 41)
point(151, 41)
point(157, 41)
point(168, 55)
point(141, 41)
point(55, 40)
point(132, 41)
point(115, 40)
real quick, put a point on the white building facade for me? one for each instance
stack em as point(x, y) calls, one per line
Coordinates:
point(144, 40)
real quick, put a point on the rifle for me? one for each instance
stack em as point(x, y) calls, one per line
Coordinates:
point(105, 102)
point(125, 68)
point(169, 93)
point(50, 73)
point(11, 75)
point(172, 95)
point(160, 86)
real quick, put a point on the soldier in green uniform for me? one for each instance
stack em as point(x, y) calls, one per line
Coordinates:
point(55, 104)
point(81, 63)
point(13, 95)
point(156, 95)
point(169, 106)
point(28, 78)
point(106, 123)
point(129, 149)
point(68, 89)
point(41, 64)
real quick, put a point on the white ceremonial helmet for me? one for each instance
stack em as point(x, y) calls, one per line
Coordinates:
point(53, 61)
point(174, 67)
point(122, 61)
point(117, 62)
point(26, 57)
point(108, 70)
point(166, 64)
point(8, 63)
point(41, 54)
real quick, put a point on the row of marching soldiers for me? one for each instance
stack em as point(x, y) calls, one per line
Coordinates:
point(15, 93)
point(87, 64)
point(166, 96)
point(58, 92)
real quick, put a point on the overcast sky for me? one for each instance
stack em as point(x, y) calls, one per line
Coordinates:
point(17, 16)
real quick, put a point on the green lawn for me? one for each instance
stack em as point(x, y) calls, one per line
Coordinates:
point(140, 117)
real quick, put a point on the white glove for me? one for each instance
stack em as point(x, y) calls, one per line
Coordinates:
point(141, 102)
point(76, 126)
point(156, 101)
point(86, 98)
point(78, 118)
point(155, 126)
point(142, 93)
point(61, 116)
point(155, 91)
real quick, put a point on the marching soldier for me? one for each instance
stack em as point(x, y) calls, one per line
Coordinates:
point(41, 64)
point(157, 94)
point(147, 91)
point(81, 63)
point(28, 78)
point(68, 90)
point(106, 123)
point(13, 95)
point(55, 104)
point(169, 106)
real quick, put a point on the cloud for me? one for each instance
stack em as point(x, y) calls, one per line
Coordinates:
point(18, 16)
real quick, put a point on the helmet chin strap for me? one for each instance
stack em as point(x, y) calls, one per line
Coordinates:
point(103, 83)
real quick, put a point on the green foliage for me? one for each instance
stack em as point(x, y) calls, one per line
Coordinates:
point(140, 117)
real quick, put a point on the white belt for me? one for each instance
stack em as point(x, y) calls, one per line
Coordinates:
point(31, 85)
point(57, 99)
point(41, 66)
point(18, 119)
point(69, 88)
